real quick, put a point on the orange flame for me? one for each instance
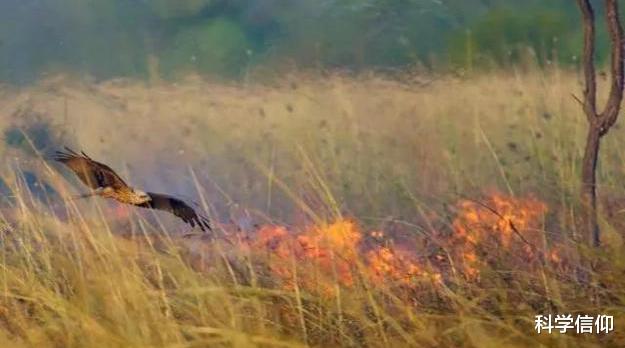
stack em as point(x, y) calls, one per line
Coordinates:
point(315, 259)
point(320, 259)
point(498, 222)
point(389, 264)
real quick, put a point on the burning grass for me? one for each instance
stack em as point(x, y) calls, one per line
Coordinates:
point(321, 257)
point(433, 214)
point(72, 283)
point(501, 227)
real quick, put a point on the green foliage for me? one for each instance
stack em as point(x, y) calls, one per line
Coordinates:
point(102, 38)
point(507, 36)
point(362, 34)
point(168, 9)
point(216, 46)
point(115, 38)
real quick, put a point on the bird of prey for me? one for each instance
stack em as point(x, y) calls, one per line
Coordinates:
point(106, 183)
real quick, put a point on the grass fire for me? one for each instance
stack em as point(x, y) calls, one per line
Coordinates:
point(443, 212)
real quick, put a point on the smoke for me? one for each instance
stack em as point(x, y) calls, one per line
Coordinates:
point(32, 133)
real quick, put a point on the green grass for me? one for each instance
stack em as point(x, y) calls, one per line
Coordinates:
point(396, 157)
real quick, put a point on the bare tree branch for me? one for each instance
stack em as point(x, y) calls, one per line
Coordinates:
point(610, 113)
point(588, 60)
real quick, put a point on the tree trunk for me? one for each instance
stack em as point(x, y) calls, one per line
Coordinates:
point(589, 183)
point(599, 123)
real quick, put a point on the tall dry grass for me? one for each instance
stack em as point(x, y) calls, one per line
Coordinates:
point(396, 157)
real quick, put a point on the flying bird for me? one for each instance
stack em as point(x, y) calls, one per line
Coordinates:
point(106, 183)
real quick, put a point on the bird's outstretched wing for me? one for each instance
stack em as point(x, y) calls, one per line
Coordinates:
point(91, 173)
point(177, 207)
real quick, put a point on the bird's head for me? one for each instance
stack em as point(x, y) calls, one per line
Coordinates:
point(141, 196)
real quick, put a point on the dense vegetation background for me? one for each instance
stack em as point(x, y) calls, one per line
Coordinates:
point(230, 38)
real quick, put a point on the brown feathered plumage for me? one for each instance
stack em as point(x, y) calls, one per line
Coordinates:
point(106, 183)
point(177, 207)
